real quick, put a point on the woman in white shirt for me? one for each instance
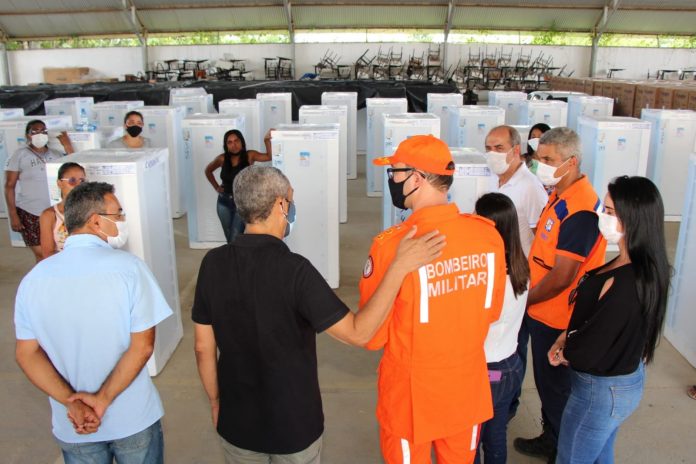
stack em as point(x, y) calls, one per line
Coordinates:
point(505, 370)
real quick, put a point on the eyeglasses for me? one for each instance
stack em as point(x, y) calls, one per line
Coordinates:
point(73, 180)
point(391, 171)
point(119, 216)
point(36, 131)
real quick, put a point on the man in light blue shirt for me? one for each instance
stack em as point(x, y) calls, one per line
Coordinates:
point(85, 325)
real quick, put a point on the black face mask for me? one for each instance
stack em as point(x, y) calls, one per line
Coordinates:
point(396, 189)
point(134, 131)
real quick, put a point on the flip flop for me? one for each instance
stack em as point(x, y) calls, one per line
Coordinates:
point(691, 391)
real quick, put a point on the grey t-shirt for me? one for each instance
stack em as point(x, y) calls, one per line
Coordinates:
point(31, 191)
point(120, 143)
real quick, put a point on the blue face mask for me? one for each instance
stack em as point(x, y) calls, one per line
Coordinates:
point(290, 217)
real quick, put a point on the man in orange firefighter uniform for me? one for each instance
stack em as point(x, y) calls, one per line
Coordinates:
point(433, 384)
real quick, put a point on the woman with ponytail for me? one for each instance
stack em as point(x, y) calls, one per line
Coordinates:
point(618, 312)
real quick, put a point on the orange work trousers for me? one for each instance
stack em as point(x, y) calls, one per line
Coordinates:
point(457, 449)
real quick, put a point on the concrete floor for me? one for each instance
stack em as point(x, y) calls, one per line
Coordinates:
point(657, 433)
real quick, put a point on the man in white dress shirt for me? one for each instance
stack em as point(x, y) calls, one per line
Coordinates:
point(503, 155)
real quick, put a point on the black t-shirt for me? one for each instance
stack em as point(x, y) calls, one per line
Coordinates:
point(606, 336)
point(229, 172)
point(266, 305)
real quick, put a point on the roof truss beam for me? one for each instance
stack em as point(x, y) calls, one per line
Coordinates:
point(607, 12)
point(288, 14)
point(135, 22)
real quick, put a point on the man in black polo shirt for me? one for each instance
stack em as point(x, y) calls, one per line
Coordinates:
point(261, 305)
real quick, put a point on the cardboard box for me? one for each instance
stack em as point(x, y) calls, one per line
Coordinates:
point(680, 101)
point(64, 75)
point(665, 97)
point(608, 89)
point(692, 100)
point(646, 97)
point(588, 86)
point(598, 88)
point(624, 94)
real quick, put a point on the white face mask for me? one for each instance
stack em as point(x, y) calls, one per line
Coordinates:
point(39, 140)
point(497, 162)
point(533, 143)
point(119, 240)
point(609, 227)
point(545, 173)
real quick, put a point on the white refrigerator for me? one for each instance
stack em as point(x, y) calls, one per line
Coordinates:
point(163, 128)
point(80, 109)
point(470, 124)
point(326, 114)
point(11, 113)
point(12, 136)
point(510, 102)
point(472, 178)
point(586, 105)
point(680, 322)
point(350, 101)
point(194, 104)
point(203, 136)
point(141, 181)
point(275, 109)
point(397, 128)
point(613, 146)
point(309, 156)
point(186, 92)
point(551, 112)
point(376, 109)
point(438, 103)
point(112, 113)
point(672, 141)
point(250, 109)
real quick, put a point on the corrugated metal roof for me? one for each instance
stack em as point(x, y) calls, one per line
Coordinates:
point(21, 18)
point(10, 6)
point(653, 22)
point(169, 4)
point(343, 16)
point(62, 25)
point(372, 3)
point(504, 18)
point(214, 19)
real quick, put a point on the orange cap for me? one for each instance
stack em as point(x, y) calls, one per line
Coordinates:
point(424, 152)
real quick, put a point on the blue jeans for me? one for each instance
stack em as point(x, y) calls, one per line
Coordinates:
point(494, 432)
point(232, 224)
point(522, 342)
point(597, 406)
point(553, 383)
point(146, 447)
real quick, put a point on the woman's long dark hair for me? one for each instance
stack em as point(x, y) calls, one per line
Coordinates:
point(639, 207)
point(501, 210)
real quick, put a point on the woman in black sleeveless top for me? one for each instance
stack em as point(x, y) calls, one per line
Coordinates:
point(618, 312)
point(231, 162)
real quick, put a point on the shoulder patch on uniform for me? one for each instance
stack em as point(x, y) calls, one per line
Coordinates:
point(561, 210)
point(369, 267)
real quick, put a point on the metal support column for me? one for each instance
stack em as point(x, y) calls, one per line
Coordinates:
point(138, 29)
point(600, 26)
point(448, 28)
point(291, 33)
point(5, 77)
point(593, 54)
